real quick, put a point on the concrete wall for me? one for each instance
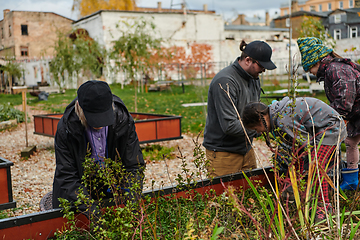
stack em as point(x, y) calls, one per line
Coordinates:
point(255, 34)
point(349, 48)
point(180, 30)
point(177, 29)
point(36, 71)
point(95, 24)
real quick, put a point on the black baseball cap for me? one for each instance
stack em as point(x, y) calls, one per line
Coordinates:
point(261, 52)
point(95, 99)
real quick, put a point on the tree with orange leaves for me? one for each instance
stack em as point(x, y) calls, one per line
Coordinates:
point(200, 53)
point(175, 57)
point(87, 7)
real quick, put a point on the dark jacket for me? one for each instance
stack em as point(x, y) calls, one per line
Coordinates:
point(223, 130)
point(308, 116)
point(342, 88)
point(71, 145)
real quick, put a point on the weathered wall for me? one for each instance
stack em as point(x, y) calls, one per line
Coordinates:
point(180, 30)
point(177, 29)
point(349, 47)
point(42, 32)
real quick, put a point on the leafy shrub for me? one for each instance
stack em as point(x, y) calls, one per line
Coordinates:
point(255, 213)
point(8, 112)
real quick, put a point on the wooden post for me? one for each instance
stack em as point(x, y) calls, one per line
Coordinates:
point(2, 79)
point(23, 90)
point(25, 111)
point(10, 84)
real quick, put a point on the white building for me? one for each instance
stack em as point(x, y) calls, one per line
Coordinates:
point(182, 29)
point(178, 28)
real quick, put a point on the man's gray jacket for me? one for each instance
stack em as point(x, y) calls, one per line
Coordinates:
point(223, 130)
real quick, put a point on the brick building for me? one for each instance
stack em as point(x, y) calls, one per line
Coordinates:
point(317, 5)
point(26, 34)
point(296, 20)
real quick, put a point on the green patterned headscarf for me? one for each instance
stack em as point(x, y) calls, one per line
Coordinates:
point(312, 50)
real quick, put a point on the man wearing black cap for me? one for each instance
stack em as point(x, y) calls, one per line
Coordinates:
point(96, 123)
point(227, 147)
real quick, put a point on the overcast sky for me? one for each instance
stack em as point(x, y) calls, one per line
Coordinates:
point(228, 8)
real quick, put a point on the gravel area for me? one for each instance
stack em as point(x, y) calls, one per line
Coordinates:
point(32, 178)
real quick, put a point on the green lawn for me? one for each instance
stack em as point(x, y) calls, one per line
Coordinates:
point(165, 102)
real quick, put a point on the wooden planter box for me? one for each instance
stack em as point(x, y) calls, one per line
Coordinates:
point(42, 225)
point(149, 127)
point(6, 195)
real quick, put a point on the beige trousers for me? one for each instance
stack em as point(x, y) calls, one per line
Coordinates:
point(223, 163)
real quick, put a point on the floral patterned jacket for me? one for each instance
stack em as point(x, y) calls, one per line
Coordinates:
point(342, 87)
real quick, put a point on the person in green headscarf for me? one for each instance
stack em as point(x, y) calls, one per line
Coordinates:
point(341, 79)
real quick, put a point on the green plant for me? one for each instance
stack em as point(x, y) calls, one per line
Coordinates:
point(132, 51)
point(157, 152)
point(313, 27)
point(166, 217)
point(306, 187)
point(8, 112)
point(3, 214)
point(12, 68)
point(75, 53)
point(217, 231)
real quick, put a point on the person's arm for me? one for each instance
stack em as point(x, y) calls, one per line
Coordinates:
point(344, 89)
point(134, 165)
point(67, 172)
point(225, 111)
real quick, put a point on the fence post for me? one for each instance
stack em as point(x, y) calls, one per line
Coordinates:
point(201, 74)
point(205, 72)
point(182, 79)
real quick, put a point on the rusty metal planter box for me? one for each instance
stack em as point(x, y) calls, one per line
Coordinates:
point(149, 127)
point(6, 195)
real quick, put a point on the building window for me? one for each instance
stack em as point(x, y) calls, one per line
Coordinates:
point(337, 34)
point(329, 6)
point(301, 9)
point(230, 37)
point(24, 30)
point(24, 51)
point(9, 30)
point(312, 9)
point(341, 5)
point(351, 3)
point(353, 32)
point(337, 18)
point(320, 8)
point(285, 12)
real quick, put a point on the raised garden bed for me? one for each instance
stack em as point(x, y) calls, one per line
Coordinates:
point(42, 225)
point(6, 195)
point(149, 127)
